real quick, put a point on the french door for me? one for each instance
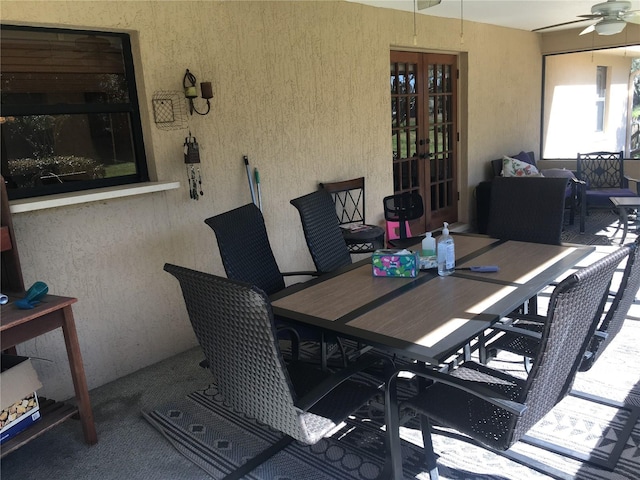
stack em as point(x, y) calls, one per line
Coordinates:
point(424, 133)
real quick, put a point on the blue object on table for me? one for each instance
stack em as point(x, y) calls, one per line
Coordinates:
point(482, 268)
point(33, 296)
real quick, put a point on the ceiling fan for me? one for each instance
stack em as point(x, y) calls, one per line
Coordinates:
point(422, 4)
point(612, 17)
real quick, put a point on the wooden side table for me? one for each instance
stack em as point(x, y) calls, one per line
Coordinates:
point(17, 326)
point(624, 204)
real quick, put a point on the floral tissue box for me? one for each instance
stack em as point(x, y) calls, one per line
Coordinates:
point(395, 263)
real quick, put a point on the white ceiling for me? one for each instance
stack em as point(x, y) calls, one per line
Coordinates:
point(520, 14)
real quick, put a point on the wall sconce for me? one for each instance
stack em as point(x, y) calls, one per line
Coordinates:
point(191, 92)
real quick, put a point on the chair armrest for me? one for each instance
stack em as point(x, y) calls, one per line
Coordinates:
point(295, 340)
point(318, 392)
point(529, 317)
point(474, 388)
point(599, 334)
point(577, 181)
point(512, 329)
point(301, 273)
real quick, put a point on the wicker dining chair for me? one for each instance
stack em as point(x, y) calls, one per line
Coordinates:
point(245, 249)
point(528, 209)
point(233, 323)
point(495, 409)
point(522, 337)
point(247, 257)
point(321, 228)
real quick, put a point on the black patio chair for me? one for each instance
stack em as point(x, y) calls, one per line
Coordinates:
point(528, 209)
point(492, 408)
point(403, 208)
point(327, 246)
point(349, 200)
point(603, 174)
point(247, 257)
point(245, 249)
point(522, 337)
point(233, 323)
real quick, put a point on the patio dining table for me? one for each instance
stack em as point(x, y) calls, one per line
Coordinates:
point(428, 318)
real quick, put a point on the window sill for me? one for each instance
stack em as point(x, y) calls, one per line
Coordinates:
point(74, 198)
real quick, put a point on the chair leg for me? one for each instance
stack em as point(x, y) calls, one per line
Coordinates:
point(393, 462)
point(429, 455)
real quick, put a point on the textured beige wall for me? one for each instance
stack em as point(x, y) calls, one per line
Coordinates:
point(302, 89)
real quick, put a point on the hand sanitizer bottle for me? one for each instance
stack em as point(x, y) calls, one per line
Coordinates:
point(428, 245)
point(446, 253)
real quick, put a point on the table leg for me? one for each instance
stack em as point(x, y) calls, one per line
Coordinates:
point(583, 206)
point(78, 376)
point(623, 219)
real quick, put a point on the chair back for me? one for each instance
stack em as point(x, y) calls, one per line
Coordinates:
point(601, 169)
point(528, 209)
point(322, 232)
point(233, 323)
point(393, 230)
point(567, 331)
point(618, 309)
point(245, 249)
point(348, 198)
point(403, 207)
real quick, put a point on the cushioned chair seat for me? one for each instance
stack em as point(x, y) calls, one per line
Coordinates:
point(600, 198)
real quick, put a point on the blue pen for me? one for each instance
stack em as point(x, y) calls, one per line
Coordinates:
point(481, 268)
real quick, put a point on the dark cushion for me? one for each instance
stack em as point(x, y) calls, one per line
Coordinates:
point(527, 157)
point(600, 197)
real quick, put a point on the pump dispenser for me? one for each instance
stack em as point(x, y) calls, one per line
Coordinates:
point(446, 253)
point(428, 246)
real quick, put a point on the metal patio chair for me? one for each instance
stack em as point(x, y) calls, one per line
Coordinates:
point(327, 246)
point(247, 257)
point(603, 174)
point(348, 197)
point(233, 323)
point(492, 408)
point(522, 337)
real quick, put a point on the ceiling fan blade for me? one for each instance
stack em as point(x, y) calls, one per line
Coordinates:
point(589, 29)
point(632, 17)
point(422, 4)
point(561, 24)
point(591, 16)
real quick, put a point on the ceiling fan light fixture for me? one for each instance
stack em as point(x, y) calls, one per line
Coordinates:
point(609, 27)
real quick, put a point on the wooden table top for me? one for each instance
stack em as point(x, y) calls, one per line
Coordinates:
point(428, 316)
point(12, 316)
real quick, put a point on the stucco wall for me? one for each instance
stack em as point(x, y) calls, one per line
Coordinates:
point(302, 89)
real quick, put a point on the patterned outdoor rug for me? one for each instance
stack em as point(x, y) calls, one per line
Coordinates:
point(600, 229)
point(217, 439)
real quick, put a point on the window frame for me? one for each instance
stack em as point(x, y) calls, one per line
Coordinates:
point(132, 109)
point(602, 81)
